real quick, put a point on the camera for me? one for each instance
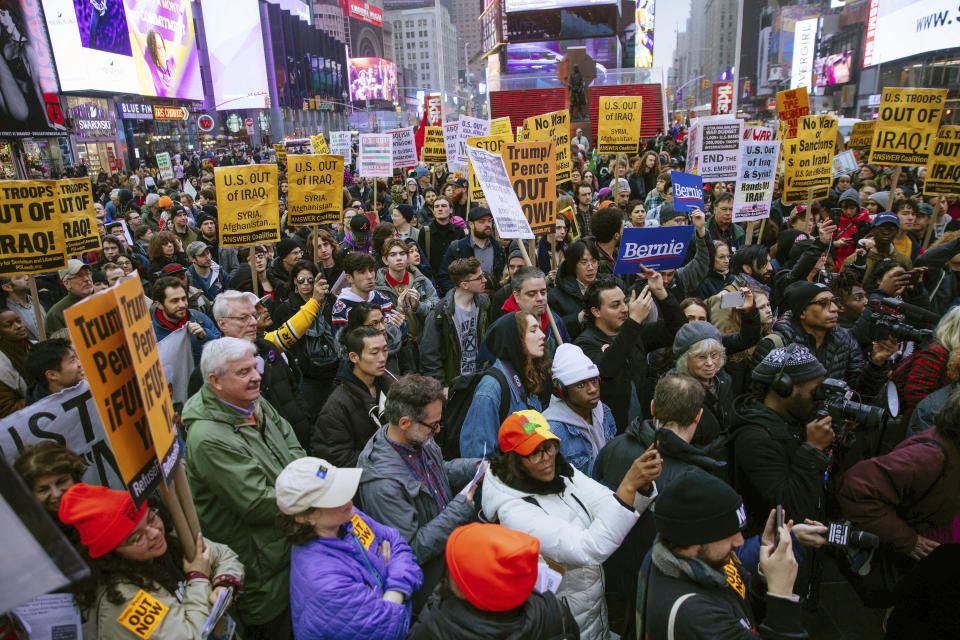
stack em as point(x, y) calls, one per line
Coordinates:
point(834, 396)
point(889, 320)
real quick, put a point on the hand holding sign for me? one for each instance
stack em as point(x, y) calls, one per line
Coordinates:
point(699, 220)
point(654, 282)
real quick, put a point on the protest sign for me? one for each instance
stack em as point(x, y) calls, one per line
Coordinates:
point(656, 248)
point(53, 616)
point(552, 126)
point(720, 149)
point(844, 163)
point(319, 144)
point(450, 148)
point(468, 127)
point(504, 205)
point(434, 149)
point(693, 147)
point(618, 130)
point(493, 144)
point(907, 124)
point(315, 189)
point(281, 150)
point(31, 233)
point(75, 204)
point(340, 145)
point(519, 133)
point(375, 159)
point(758, 169)
point(687, 191)
point(530, 166)
point(177, 359)
point(403, 148)
point(862, 136)
point(753, 133)
point(165, 166)
point(943, 166)
point(809, 160)
point(247, 199)
point(792, 105)
point(96, 329)
point(500, 126)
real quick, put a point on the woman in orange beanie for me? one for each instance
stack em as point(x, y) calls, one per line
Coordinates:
point(140, 584)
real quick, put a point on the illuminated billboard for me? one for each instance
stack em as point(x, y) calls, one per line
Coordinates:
point(900, 28)
point(590, 21)
point(236, 44)
point(145, 47)
point(543, 57)
point(536, 5)
point(833, 69)
point(644, 33)
point(373, 79)
point(364, 11)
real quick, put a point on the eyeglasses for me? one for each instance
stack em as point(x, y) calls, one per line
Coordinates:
point(826, 302)
point(247, 317)
point(588, 263)
point(548, 448)
point(303, 280)
point(433, 426)
point(476, 278)
point(377, 324)
point(137, 538)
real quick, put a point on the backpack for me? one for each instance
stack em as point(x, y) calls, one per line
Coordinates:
point(459, 398)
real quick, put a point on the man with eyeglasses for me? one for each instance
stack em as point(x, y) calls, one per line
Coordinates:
point(406, 483)
point(77, 279)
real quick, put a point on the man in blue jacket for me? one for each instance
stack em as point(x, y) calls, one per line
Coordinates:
point(479, 244)
point(171, 312)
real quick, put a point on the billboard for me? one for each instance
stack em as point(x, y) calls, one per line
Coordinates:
point(833, 69)
point(900, 28)
point(543, 57)
point(236, 44)
point(145, 47)
point(373, 79)
point(644, 33)
point(576, 21)
point(804, 48)
point(363, 11)
point(535, 5)
point(365, 22)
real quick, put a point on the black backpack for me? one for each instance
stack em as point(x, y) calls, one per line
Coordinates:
point(459, 398)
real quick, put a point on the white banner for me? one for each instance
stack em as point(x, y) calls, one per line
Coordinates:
point(844, 163)
point(403, 148)
point(450, 143)
point(492, 175)
point(754, 192)
point(719, 157)
point(340, 145)
point(468, 128)
point(177, 359)
point(375, 157)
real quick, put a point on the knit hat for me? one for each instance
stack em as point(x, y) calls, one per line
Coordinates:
point(622, 184)
point(667, 213)
point(422, 171)
point(360, 226)
point(125, 196)
point(603, 193)
point(925, 209)
point(165, 201)
point(571, 366)
point(882, 198)
point(799, 295)
point(406, 211)
point(794, 359)
point(849, 195)
point(151, 199)
point(692, 333)
point(698, 508)
point(523, 431)
point(102, 516)
point(285, 247)
point(210, 209)
point(495, 567)
point(308, 483)
point(886, 216)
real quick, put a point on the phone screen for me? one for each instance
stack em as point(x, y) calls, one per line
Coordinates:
point(777, 525)
point(731, 299)
point(835, 216)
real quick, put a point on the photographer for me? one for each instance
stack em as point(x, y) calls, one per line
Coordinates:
point(886, 315)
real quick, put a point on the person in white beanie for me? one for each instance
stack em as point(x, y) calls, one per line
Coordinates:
point(576, 415)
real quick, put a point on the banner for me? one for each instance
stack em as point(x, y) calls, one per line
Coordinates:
point(862, 136)
point(552, 126)
point(165, 166)
point(319, 144)
point(656, 248)
point(721, 103)
point(493, 144)
point(907, 125)
point(31, 234)
point(618, 130)
point(758, 170)
point(403, 148)
point(720, 149)
point(687, 191)
point(433, 110)
point(753, 133)
point(844, 163)
point(281, 152)
point(530, 166)
point(450, 148)
point(340, 145)
point(504, 205)
point(943, 166)
point(792, 105)
point(375, 159)
point(315, 189)
point(434, 149)
point(247, 201)
point(75, 203)
point(500, 126)
point(809, 160)
point(468, 127)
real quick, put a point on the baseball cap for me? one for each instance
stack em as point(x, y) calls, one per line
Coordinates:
point(461, 182)
point(886, 216)
point(309, 483)
point(478, 212)
point(359, 225)
point(195, 248)
point(73, 268)
point(171, 269)
point(524, 431)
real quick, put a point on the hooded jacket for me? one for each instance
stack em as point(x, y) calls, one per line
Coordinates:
point(440, 346)
point(942, 281)
point(580, 441)
point(511, 306)
point(428, 297)
point(463, 248)
point(348, 419)
point(851, 229)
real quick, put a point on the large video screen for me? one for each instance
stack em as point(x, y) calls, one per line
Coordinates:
point(236, 44)
point(536, 5)
point(643, 46)
point(543, 57)
point(833, 69)
point(373, 79)
point(145, 47)
point(573, 22)
point(900, 28)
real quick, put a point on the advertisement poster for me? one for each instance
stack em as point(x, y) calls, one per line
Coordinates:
point(433, 109)
point(687, 191)
point(403, 147)
point(375, 159)
point(656, 248)
point(907, 124)
point(792, 105)
point(315, 189)
point(719, 149)
point(530, 166)
point(943, 167)
point(503, 202)
point(809, 160)
point(234, 44)
point(373, 79)
point(862, 136)
point(247, 199)
point(75, 204)
point(490, 143)
point(340, 145)
point(618, 130)
point(434, 149)
point(552, 126)
point(721, 103)
point(31, 232)
point(754, 193)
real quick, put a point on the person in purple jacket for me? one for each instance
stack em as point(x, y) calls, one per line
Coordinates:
point(350, 576)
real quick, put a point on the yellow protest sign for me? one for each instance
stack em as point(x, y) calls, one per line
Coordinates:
point(363, 531)
point(520, 133)
point(315, 189)
point(862, 136)
point(532, 171)
point(552, 126)
point(31, 232)
point(247, 200)
point(809, 159)
point(943, 166)
point(618, 130)
point(319, 144)
point(491, 143)
point(75, 204)
point(500, 126)
point(792, 105)
point(434, 149)
point(143, 615)
point(907, 124)
point(281, 150)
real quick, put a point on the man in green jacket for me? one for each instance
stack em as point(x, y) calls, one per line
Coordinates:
point(237, 445)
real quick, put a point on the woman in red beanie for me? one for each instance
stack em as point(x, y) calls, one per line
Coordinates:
point(140, 584)
point(488, 591)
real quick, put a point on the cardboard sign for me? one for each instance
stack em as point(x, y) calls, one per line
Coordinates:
point(792, 105)
point(719, 157)
point(753, 133)
point(758, 170)
point(315, 189)
point(247, 200)
point(450, 147)
point(504, 205)
point(844, 163)
point(281, 150)
point(75, 204)
point(31, 232)
point(618, 130)
point(493, 144)
point(656, 248)
point(687, 191)
point(809, 160)
point(943, 166)
point(467, 128)
point(434, 149)
point(143, 614)
point(501, 126)
point(165, 166)
point(552, 126)
point(319, 144)
point(375, 159)
point(98, 335)
point(530, 166)
point(907, 125)
point(340, 145)
point(403, 147)
point(862, 136)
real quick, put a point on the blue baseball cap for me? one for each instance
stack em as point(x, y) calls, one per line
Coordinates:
point(886, 216)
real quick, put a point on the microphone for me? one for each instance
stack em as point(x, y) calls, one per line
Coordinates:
point(842, 535)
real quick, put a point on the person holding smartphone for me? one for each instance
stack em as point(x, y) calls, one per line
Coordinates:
point(853, 223)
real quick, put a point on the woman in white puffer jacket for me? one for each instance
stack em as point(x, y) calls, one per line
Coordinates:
point(579, 522)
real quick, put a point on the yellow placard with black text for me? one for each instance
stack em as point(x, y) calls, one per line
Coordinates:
point(532, 171)
point(490, 143)
point(319, 144)
point(314, 189)
point(75, 205)
point(907, 123)
point(31, 231)
point(552, 126)
point(792, 105)
point(281, 150)
point(618, 130)
point(943, 166)
point(434, 148)
point(500, 126)
point(861, 137)
point(143, 614)
point(248, 204)
point(809, 159)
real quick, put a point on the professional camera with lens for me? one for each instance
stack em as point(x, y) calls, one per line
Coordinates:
point(834, 398)
point(889, 319)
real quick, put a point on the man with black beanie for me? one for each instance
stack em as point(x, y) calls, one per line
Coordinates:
point(289, 253)
point(696, 586)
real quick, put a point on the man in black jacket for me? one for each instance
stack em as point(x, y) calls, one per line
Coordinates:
point(440, 234)
point(479, 243)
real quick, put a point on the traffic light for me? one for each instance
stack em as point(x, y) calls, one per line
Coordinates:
point(704, 83)
point(668, 92)
point(691, 101)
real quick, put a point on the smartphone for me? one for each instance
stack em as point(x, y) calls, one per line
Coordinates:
point(835, 216)
point(731, 299)
point(777, 525)
point(915, 276)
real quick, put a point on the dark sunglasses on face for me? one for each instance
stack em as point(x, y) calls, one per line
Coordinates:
point(303, 280)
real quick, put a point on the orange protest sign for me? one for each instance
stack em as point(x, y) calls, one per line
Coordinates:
point(792, 105)
point(532, 170)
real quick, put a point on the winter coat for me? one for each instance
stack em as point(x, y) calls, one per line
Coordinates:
point(481, 425)
point(428, 298)
point(734, 237)
point(923, 416)
point(240, 280)
point(211, 287)
point(575, 443)
point(578, 529)
point(186, 614)
point(337, 584)
point(232, 464)
point(713, 284)
point(566, 300)
point(391, 493)
point(927, 373)
point(942, 281)
point(197, 343)
point(348, 419)
point(687, 279)
point(905, 493)
point(463, 248)
point(435, 239)
point(440, 346)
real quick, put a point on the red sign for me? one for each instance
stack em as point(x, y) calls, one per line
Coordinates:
point(169, 112)
point(363, 11)
point(205, 122)
point(722, 98)
point(432, 110)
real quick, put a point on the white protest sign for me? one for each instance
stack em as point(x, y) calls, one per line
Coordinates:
point(375, 159)
point(177, 360)
point(720, 149)
point(165, 166)
point(493, 178)
point(468, 128)
point(340, 145)
point(757, 134)
point(403, 147)
point(450, 143)
point(52, 616)
point(693, 148)
point(751, 200)
point(844, 163)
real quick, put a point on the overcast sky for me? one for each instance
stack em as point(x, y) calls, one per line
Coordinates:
point(671, 16)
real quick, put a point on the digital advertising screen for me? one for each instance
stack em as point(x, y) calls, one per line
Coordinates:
point(543, 57)
point(643, 47)
point(833, 69)
point(900, 28)
point(145, 47)
point(563, 24)
point(535, 5)
point(236, 44)
point(365, 22)
point(373, 79)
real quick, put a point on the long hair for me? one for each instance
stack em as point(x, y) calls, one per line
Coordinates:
point(534, 369)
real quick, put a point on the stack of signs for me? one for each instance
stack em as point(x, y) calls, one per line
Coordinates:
point(943, 167)
point(375, 159)
point(493, 144)
point(31, 230)
point(248, 204)
point(687, 191)
point(792, 105)
point(552, 126)
point(403, 147)
point(319, 144)
point(532, 172)
point(434, 149)
point(315, 194)
point(844, 163)
point(809, 160)
point(717, 151)
point(758, 170)
point(656, 248)
point(907, 125)
point(504, 205)
point(340, 145)
point(450, 148)
point(862, 136)
point(165, 166)
point(619, 128)
point(467, 127)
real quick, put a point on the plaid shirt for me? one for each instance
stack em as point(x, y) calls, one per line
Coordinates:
point(425, 471)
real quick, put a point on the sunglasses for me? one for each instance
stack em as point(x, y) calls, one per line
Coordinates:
point(303, 280)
